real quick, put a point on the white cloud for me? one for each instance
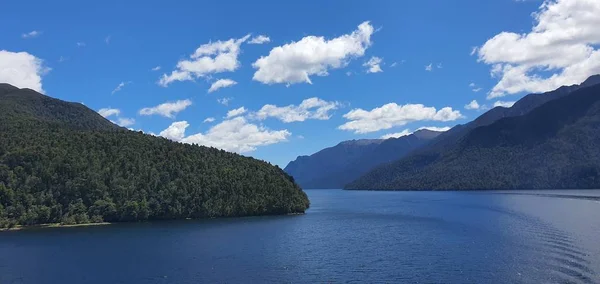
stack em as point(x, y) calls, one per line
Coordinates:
point(373, 65)
point(503, 104)
point(119, 87)
point(121, 121)
point(312, 108)
point(62, 59)
point(22, 70)
point(209, 120)
point(474, 50)
point(474, 87)
point(394, 64)
point(407, 132)
point(175, 131)
point(434, 128)
point(472, 105)
point(221, 83)
point(404, 132)
point(563, 43)
point(236, 135)
point(31, 34)
point(80, 44)
point(429, 67)
point(125, 122)
point(210, 58)
point(224, 101)
point(439, 66)
point(349, 73)
point(295, 62)
point(168, 109)
point(392, 114)
point(156, 68)
point(106, 112)
point(236, 112)
point(259, 39)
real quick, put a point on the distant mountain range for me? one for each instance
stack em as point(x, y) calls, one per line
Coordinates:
point(336, 166)
point(544, 141)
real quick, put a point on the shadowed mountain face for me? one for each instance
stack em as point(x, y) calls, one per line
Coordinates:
point(540, 142)
point(63, 162)
point(336, 166)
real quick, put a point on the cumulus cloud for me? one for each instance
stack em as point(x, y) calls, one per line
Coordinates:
point(407, 132)
point(472, 105)
point(156, 68)
point(224, 101)
point(373, 65)
point(259, 39)
point(503, 104)
point(429, 67)
point(106, 112)
point(209, 120)
point(210, 58)
point(562, 43)
point(221, 83)
point(312, 108)
point(236, 112)
point(392, 115)
point(168, 109)
point(175, 131)
point(22, 70)
point(434, 128)
point(394, 64)
point(236, 135)
point(31, 34)
point(121, 121)
point(404, 132)
point(295, 62)
point(125, 122)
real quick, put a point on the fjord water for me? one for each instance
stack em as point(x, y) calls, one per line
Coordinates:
point(346, 236)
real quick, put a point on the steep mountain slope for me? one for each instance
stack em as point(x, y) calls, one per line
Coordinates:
point(523, 106)
point(62, 162)
point(556, 145)
point(336, 166)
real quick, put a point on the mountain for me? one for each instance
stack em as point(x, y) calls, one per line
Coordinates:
point(553, 146)
point(62, 162)
point(521, 107)
point(336, 166)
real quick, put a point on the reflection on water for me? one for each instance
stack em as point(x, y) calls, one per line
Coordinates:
point(346, 237)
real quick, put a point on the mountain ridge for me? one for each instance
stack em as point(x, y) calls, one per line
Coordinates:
point(479, 157)
point(335, 166)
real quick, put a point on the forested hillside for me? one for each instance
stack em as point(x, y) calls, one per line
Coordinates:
point(553, 146)
point(62, 162)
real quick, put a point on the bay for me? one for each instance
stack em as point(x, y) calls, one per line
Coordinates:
point(345, 237)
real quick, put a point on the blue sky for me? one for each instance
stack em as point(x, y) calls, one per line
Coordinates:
point(435, 58)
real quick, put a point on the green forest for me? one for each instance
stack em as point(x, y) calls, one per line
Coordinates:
point(63, 163)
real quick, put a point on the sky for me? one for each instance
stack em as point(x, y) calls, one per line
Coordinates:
point(278, 79)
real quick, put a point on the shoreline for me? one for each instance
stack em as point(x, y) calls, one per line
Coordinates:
point(58, 225)
point(52, 225)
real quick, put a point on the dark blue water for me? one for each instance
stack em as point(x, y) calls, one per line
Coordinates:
point(346, 237)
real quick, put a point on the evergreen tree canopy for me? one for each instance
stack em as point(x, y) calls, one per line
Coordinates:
point(62, 162)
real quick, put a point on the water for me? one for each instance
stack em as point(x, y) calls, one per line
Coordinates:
point(346, 237)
